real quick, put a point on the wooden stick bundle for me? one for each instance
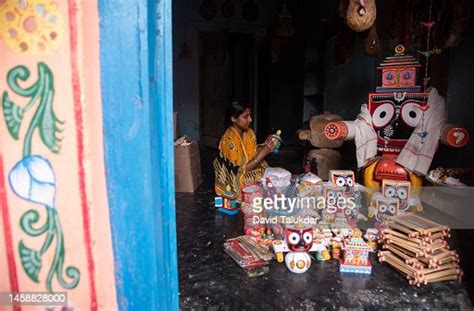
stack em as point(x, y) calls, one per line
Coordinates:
point(416, 247)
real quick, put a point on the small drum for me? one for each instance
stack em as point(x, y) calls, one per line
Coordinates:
point(250, 192)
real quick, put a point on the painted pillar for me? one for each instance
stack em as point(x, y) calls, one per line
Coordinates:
point(55, 227)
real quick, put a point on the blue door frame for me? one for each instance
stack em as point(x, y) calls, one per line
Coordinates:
point(136, 75)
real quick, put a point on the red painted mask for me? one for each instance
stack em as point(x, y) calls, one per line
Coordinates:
point(394, 117)
point(299, 240)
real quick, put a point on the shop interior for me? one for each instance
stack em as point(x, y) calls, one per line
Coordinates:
point(305, 69)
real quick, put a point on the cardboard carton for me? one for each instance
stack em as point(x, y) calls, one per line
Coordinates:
point(187, 165)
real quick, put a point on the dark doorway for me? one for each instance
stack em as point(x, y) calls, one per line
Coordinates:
point(227, 73)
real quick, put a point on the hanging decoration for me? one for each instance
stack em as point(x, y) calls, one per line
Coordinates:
point(361, 14)
point(283, 31)
point(428, 25)
point(372, 43)
point(208, 9)
point(227, 8)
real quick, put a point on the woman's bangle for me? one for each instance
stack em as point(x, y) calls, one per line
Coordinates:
point(256, 160)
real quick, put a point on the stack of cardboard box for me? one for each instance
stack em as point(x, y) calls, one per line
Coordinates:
point(187, 167)
point(187, 162)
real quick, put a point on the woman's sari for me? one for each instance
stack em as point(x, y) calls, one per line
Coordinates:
point(234, 154)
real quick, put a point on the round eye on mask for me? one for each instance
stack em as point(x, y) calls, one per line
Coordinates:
point(392, 209)
point(390, 192)
point(382, 208)
point(339, 194)
point(340, 181)
point(402, 193)
point(411, 114)
point(308, 237)
point(331, 194)
point(294, 238)
point(349, 181)
point(383, 115)
point(347, 212)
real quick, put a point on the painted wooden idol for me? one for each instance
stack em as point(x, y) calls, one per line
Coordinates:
point(397, 133)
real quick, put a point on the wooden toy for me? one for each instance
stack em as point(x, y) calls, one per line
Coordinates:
point(396, 113)
point(326, 158)
point(371, 237)
point(420, 224)
point(399, 190)
point(344, 179)
point(385, 208)
point(356, 257)
point(332, 194)
point(416, 247)
point(298, 242)
point(228, 203)
point(336, 250)
point(277, 138)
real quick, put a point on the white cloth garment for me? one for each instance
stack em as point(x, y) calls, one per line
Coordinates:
point(418, 152)
point(365, 137)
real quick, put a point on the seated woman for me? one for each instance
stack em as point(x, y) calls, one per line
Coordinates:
point(239, 162)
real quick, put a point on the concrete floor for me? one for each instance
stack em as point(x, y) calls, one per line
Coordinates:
point(210, 280)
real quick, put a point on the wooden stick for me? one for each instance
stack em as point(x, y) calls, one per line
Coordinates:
point(390, 258)
point(449, 260)
point(428, 228)
point(399, 253)
point(400, 240)
point(389, 232)
point(442, 273)
point(442, 267)
point(407, 258)
point(446, 278)
point(408, 252)
point(416, 251)
point(408, 231)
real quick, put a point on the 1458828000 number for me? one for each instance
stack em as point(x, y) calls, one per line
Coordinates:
point(33, 298)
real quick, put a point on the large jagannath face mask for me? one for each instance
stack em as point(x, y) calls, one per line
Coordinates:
point(299, 240)
point(394, 117)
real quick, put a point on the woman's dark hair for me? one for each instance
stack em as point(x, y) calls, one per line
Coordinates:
point(235, 109)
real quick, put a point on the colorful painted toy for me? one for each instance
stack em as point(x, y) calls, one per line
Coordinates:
point(298, 242)
point(399, 190)
point(277, 137)
point(228, 203)
point(356, 257)
point(344, 179)
point(371, 235)
point(397, 120)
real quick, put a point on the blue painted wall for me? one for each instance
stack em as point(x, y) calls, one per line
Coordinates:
point(136, 79)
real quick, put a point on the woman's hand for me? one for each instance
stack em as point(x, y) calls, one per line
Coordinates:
point(268, 146)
